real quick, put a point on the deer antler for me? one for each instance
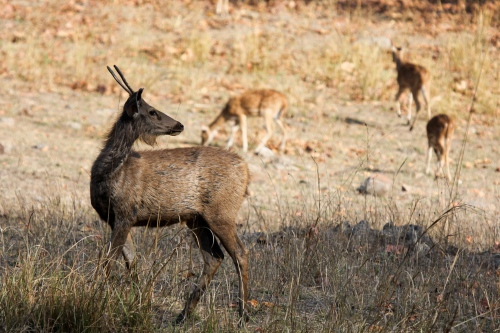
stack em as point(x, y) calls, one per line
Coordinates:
point(123, 84)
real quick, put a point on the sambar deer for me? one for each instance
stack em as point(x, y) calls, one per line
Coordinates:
point(201, 186)
point(416, 79)
point(270, 104)
point(439, 135)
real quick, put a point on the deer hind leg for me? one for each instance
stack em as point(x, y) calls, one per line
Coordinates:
point(439, 153)
point(398, 103)
point(212, 258)
point(417, 108)
point(429, 157)
point(269, 130)
point(128, 251)
point(226, 232)
point(410, 99)
point(244, 131)
point(446, 161)
point(426, 96)
point(278, 121)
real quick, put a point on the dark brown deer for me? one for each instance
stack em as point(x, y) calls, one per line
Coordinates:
point(201, 186)
point(414, 78)
point(439, 135)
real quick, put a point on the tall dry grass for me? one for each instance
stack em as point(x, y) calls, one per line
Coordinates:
point(317, 274)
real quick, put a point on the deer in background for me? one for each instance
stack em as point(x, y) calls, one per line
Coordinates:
point(270, 104)
point(414, 78)
point(439, 135)
point(201, 186)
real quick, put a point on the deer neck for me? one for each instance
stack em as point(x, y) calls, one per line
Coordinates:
point(116, 150)
point(397, 60)
point(219, 121)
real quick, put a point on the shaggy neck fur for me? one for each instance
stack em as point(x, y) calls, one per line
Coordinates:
point(397, 60)
point(116, 150)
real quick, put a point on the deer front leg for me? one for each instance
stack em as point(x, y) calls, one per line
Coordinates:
point(426, 96)
point(429, 157)
point(398, 103)
point(446, 161)
point(244, 131)
point(119, 237)
point(417, 108)
point(410, 99)
point(234, 130)
point(129, 251)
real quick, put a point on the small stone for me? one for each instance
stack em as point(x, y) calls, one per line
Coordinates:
point(7, 121)
point(267, 155)
point(41, 146)
point(74, 125)
point(377, 185)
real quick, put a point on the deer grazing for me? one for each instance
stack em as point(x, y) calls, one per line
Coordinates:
point(201, 186)
point(439, 135)
point(269, 104)
point(414, 78)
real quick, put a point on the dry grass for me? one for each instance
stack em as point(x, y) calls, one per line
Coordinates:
point(304, 277)
point(177, 52)
point(310, 276)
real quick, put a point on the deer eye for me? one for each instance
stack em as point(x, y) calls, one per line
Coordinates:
point(153, 113)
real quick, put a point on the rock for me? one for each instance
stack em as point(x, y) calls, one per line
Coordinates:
point(74, 125)
point(362, 233)
point(408, 234)
point(41, 146)
point(382, 42)
point(7, 121)
point(377, 185)
point(267, 155)
point(6, 148)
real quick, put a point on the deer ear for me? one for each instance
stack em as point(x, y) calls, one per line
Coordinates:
point(132, 104)
point(138, 98)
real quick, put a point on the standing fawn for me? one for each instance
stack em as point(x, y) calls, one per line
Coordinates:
point(439, 135)
point(270, 104)
point(201, 186)
point(414, 78)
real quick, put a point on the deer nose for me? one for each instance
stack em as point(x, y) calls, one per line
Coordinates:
point(179, 127)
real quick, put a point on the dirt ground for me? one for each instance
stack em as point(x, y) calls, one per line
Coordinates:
point(49, 141)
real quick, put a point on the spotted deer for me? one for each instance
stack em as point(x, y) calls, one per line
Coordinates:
point(415, 79)
point(201, 186)
point(270, 104)
point(439, 135)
